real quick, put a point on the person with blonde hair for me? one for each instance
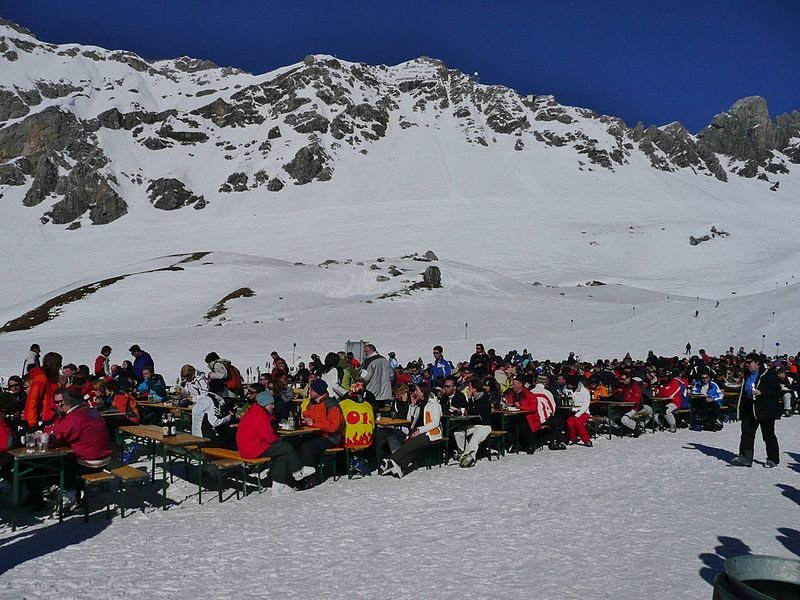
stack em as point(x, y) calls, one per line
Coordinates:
point(194, 383)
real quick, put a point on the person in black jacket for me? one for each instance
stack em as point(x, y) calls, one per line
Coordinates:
point(759, 406)
point(470, 438)
point(479, 362)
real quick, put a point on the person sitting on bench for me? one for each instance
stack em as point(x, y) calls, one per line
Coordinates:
point(708, 410)
point(428, 432)
point(84, 430)
point(324, 413)
point(470, 438)
point(256, 438)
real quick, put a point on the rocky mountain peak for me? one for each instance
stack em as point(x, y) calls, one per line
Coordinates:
point(78, 118)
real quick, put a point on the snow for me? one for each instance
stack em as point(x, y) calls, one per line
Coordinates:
point(652, 517)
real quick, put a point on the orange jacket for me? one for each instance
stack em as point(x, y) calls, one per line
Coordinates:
point(40, 405)
point(327, 417)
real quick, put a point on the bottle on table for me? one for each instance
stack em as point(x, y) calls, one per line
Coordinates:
point(173, 425)
point(165, 428)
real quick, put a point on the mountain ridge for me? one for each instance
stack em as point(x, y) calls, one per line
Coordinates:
point(114, 130)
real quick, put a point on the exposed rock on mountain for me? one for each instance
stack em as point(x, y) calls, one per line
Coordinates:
point(75, 122)
point(170, 194)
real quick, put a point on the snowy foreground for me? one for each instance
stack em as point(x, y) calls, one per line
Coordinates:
point(652, 517)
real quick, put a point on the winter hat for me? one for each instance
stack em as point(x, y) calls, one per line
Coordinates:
point(357, 387)
point(319, 386)
point(264, 398)
point(542, 379)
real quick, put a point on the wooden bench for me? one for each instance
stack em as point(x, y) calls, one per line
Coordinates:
point(538, 437)
point(682, 414)
point(92, 481)
point(328, 458)
point(127, 475)
point(497, 437)
point(436, 453)
point(349, 453)
point(185, 453)
point(222, 460)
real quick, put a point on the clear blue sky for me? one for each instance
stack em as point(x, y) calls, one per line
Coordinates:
point(650, 60)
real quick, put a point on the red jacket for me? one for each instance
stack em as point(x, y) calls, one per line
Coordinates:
point(100, 366)
point(256, 432)
point(672, 390)
point(40, 405)
point(6, 436)
point(526, 401)
point(85, 431)
point(633, 393)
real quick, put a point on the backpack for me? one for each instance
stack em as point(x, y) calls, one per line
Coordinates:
point(126, 404)
point(234, 379)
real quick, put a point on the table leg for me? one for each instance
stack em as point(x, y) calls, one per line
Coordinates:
point(61, 489)
point(152, 446)
point(15, 496)
point(164, 474)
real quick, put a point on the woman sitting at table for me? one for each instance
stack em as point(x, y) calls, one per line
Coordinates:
point(323, 413)
point(577, 420)
point(256, 438)
point(428, 431)
point(126, 378)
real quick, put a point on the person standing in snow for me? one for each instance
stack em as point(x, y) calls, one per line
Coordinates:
point(479, 362)
point(377, 374)
point(759, 406)
point(441, 367)
point(102, 366)
point(688, 348)
point(31, 360)
point(141, 360)
point(194, 383)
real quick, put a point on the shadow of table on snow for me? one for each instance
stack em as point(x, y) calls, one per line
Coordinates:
point(796, 457)
point(27, 545)
point(790, 538)
point(792, 493)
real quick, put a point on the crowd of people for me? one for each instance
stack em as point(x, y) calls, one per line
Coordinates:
point(341, 395)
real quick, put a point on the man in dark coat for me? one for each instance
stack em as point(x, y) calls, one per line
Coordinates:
point(759, 406)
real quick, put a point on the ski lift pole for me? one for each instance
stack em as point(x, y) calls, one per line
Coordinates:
point(294, 348)
point(465, 330)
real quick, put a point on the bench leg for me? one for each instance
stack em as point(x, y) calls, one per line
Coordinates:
point(122, 499)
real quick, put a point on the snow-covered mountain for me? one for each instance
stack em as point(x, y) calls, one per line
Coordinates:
point(112, 164)
point(90, 132)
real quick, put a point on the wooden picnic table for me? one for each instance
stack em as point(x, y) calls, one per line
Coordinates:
point(47, 463)
point(297, 432)
point(153, 434)
point(505, 421)
point(391, 422)
point(610, 406)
